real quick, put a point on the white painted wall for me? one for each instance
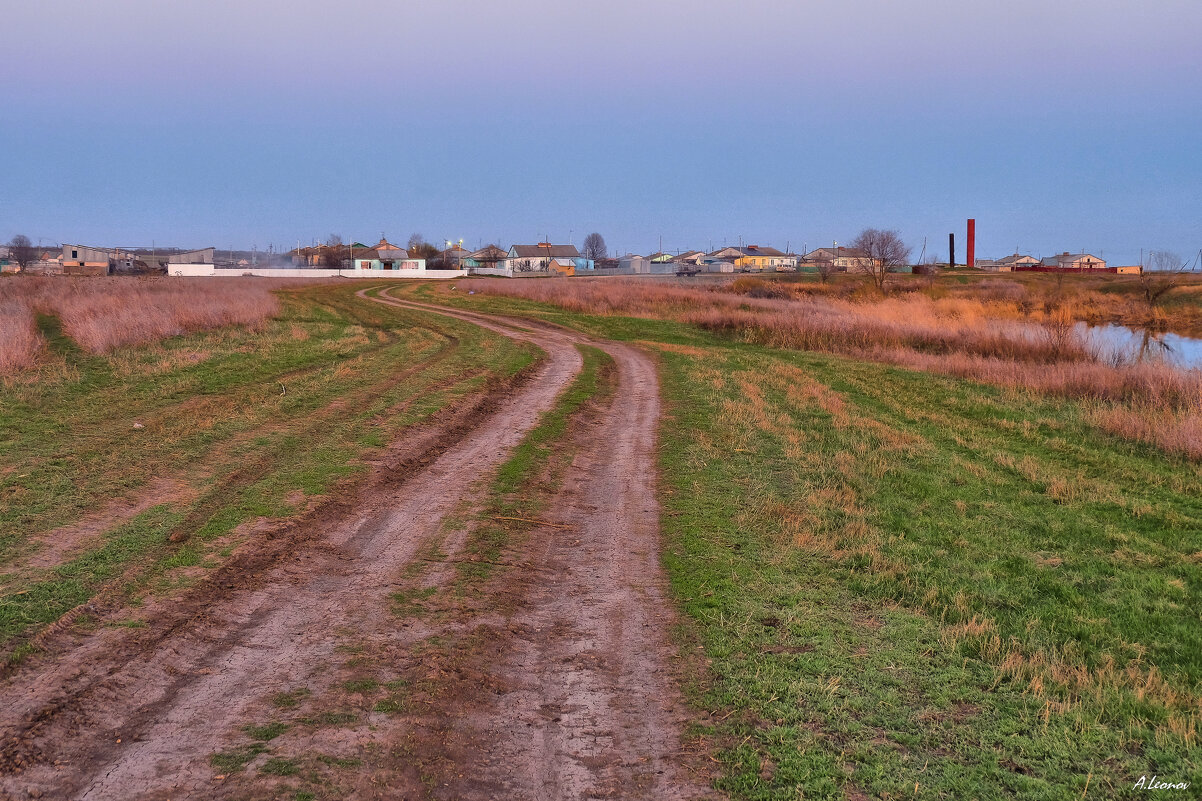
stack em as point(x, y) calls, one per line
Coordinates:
point(208, 270)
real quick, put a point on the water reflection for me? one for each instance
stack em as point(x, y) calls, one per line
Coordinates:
point(1119, 344)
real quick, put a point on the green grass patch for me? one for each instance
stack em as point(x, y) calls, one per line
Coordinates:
point(408, 602)
point(330, 719)
point(268, 731)
point(280, 766)
point(904, 585)
point(235, 759)
point(241, 420)
point(291, 699)
point(361, 685)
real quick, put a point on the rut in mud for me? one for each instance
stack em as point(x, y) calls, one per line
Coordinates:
point(583, 701)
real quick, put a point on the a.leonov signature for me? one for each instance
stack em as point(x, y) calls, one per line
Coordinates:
point(1155, 783)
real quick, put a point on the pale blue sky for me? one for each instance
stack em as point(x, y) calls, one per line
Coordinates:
point(1059, 126)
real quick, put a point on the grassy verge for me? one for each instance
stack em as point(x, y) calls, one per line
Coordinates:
point(142, 465)
point(914, 586)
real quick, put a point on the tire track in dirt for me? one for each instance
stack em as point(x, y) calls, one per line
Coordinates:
point(590, 706)
point(143, 724)
point(136, 716)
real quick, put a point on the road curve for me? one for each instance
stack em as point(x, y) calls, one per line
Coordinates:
point(129, 715)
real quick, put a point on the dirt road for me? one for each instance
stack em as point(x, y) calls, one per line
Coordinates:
point(582, 699)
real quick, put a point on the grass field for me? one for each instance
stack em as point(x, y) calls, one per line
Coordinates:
point(130, 471)
point(899, 584)
point(1012, 333)
point(908, 585)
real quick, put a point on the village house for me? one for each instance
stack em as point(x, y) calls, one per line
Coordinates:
point(488, 257)
point(756, 257)
point(1006, 264)
point(838, 258)
point(453, 257)
point(546, 256)
point(329, 256)
point(385, 256)
point(1017, 260)
point(48, 263)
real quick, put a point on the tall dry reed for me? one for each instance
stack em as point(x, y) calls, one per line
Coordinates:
point(101, 314)
point(981, 338)
point(20, 342)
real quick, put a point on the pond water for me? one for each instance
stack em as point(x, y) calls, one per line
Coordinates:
point(1120, 343)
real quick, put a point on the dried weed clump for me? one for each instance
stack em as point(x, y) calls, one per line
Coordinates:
point(101, 314)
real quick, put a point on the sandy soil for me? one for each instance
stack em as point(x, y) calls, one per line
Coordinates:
point(573, 695)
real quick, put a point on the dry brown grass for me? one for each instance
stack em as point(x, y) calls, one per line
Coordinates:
point(102, 314)
point(1013, 334)
point(20, 342)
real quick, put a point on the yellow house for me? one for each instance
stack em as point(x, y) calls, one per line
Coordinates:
point(757, 257)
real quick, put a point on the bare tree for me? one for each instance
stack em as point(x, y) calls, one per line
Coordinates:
point(1160, 276)
point(423, 250)
point(415, 242)
point(883, 252)
point(22, 251)
point(594, 247)
point(333, 253)
point(826, 268)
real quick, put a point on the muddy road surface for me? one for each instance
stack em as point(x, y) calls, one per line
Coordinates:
point(271, 677)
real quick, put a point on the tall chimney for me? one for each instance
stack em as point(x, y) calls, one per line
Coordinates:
point(972, 242)
point(951, 251)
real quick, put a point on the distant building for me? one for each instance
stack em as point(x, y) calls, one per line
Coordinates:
point(1007, 264)
point(327, 256)
point(385, 256)
point(716, 264)
point(533, 258)
point(840, 259)
point(1074, 261)
point(83, 260)
point(639, 265)
point(757, 257)
point(693, 257)
point(488, 257)
point(453, 257)
point(47, 263)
